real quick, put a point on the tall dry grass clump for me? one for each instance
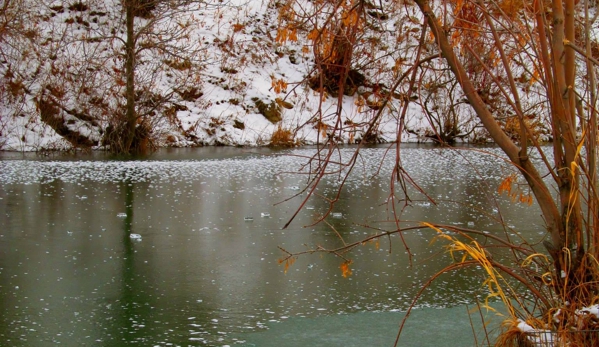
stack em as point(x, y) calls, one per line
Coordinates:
point(282, 137)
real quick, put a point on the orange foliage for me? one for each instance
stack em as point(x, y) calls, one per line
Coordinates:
point(506, 184)
point(282, 138)
point(286, 34)
point(288, 262)
point(313, 34)
point(514, 193)
point(322, 128)
point(466, 22)
point(350, 18)
point(345, 270)
point(512, 8)
point(237, 27)
point(279, 85)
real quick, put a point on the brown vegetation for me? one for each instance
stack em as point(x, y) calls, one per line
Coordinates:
point(485, 46)
point(282, 138)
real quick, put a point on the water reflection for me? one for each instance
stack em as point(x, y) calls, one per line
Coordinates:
point(71, 273)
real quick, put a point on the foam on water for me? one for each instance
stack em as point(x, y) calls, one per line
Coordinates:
point(371, 162)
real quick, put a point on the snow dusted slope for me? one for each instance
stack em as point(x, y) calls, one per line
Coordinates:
point(217, 70)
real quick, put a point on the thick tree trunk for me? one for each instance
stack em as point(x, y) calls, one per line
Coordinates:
point(541, 192)
point(564, 216)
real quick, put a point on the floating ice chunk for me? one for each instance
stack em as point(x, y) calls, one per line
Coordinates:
point(265, 215)
point(294, 188)
point(248, 219)
point(470, 224)
point(136, 237)
point(121, 215)
point(337, 214)
point(83, 197)
point(309, 207)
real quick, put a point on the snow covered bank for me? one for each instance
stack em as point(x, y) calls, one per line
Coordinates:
point(218, 73)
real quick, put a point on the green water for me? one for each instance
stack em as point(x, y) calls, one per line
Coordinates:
point(159, 252)
point(449, 327)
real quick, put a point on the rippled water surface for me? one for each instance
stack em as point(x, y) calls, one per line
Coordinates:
point(182, 248)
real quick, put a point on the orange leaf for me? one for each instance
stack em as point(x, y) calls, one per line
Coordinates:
point(345, 270)
point(281, 35)
point(288, 263)
point(293, 35)
point(506, 185)
point(237, 27)
point(313, 34)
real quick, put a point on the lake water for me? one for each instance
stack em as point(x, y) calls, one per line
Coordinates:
point(96, 251)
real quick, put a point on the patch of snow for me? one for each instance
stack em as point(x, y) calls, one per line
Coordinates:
point(594, 310)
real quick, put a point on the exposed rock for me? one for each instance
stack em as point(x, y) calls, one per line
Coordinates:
point(238, 124)
point(190, 94)
point(284, 103)
point(270, 111)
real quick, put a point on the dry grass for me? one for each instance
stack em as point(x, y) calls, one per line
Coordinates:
point(558, 317)
point(282, 137)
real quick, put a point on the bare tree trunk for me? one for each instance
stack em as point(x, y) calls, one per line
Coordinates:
point(564, 68)
point(592, 217)
point(130, 114)
point(563, 217)
point(530, 173)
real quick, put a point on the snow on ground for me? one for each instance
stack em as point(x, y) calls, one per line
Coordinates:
point(72, 57)
point(543, 337)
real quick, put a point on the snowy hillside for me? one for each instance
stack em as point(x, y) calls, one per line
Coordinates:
point(217, 72)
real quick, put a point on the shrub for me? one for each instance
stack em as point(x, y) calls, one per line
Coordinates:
point(282, 137)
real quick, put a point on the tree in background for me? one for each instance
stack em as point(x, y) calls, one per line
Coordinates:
point(157, 44)
point(98, 73)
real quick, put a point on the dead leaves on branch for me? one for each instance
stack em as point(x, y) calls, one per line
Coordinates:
point(510, 187)
point(288, 262)
point(290, 259)
point(286, 34)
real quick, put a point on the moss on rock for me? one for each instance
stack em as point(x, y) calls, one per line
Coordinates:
point(270, 111)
